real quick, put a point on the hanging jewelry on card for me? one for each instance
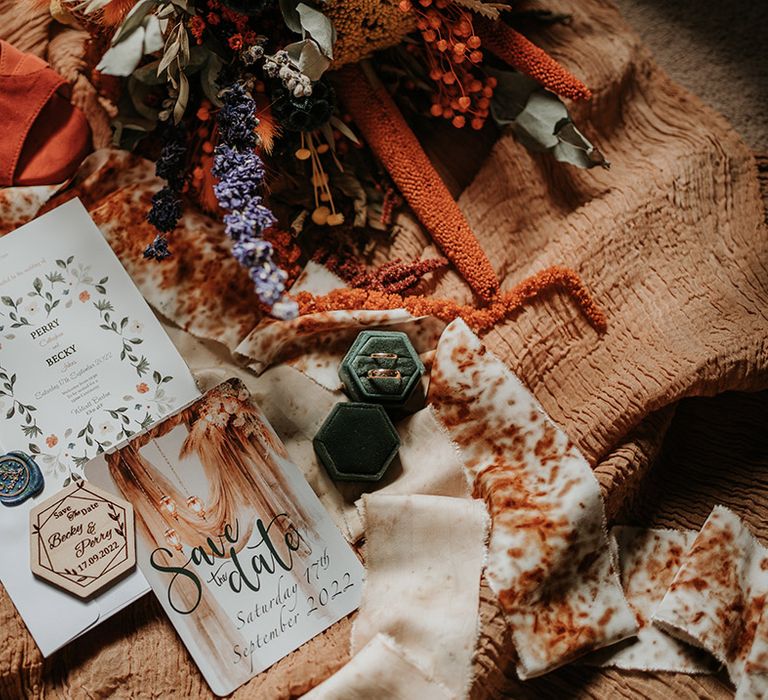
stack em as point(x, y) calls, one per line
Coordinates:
point(171, 536)
point(193, 502)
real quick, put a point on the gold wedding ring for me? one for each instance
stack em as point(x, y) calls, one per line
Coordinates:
point(383, 356)
point(384, 374)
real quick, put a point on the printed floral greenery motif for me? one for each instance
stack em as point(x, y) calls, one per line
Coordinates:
point(128, 352)
point(82, 275)
point(74, 276)
point(159, 399)
point(49, 302)
point(49, 295)
point(127, 331)
point(111, 425)
point(25, 411)
point(17, 319)
point(115, 515)
point(97, 435)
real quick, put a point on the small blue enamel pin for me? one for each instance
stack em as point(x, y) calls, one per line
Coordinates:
point(20, 478)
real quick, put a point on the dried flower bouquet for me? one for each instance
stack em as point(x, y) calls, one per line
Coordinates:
point(272, 116)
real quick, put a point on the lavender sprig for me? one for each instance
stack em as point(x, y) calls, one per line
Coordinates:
point(241, 174)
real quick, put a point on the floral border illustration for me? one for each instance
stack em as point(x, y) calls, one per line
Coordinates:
point(112, 425)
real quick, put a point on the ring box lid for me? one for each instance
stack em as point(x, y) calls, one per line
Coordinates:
point(357, 442)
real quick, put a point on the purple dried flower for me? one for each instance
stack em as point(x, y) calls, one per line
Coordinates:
point(250, 253)
point(269, 280)
point(166, 204)
point(170, 164)
point(237, 118)
point(241, 173)
point(230, 162)
point(252, 220)
point(285, 309)
point(166, 210)
point(158, 249)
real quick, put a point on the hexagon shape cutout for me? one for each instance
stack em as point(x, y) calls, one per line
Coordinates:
point(82, 539)
point(381, 367)
point(357, 442)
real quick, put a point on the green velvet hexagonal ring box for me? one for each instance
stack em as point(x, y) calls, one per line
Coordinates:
point(381, 367)
point(357, 442)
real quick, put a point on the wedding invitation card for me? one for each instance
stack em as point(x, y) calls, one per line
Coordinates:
point(84, 366)
point(240, 552)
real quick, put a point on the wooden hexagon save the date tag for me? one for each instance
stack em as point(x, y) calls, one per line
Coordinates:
point(82, 539)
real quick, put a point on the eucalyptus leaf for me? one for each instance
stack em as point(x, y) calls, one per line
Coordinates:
point(166, 11)
point(198, 59)
point(208, 77)
point(540, 120)
point(511, 95)
point(574, 148)
point(291, 15)
point(351, 187)
point(133, 20)
point(123, 58)
point(318, 26)
point(87, 7)
point(327, 131)
point(153, 34)
point(148, 74)
point(172, 48)
point(127, 135)
point(344, 129)
point(184, 42)
point(138, 92)
point(309, 58)
point(297, 225)
point(181, 101)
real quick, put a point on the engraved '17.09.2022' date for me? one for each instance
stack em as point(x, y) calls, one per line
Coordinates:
point(113, 546)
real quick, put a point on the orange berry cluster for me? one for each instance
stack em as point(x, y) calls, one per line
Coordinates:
point(453, 53)
point(232, 26)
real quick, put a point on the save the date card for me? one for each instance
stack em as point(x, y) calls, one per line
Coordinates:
point(240, 552)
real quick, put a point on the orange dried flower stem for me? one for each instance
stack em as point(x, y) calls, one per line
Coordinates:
point(389, 136)
point(513, 48)
point(555, 278)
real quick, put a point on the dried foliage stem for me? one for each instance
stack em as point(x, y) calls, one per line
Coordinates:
point(513, 48)
point(551, 279)
point(393, 142)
